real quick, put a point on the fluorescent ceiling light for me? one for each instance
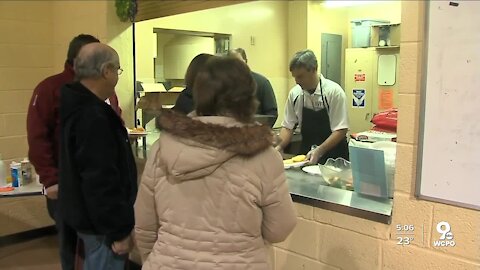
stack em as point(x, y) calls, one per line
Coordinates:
point(341, 3)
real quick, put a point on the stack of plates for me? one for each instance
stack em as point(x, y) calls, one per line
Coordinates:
point(295, 164)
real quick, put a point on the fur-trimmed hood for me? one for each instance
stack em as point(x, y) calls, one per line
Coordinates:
point(193, 147)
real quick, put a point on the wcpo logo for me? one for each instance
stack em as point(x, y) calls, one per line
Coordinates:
point(446, 235)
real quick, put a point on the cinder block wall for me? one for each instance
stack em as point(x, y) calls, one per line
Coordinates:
point(325, 240)
point(26, 57)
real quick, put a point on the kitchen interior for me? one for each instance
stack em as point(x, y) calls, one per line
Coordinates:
point(357, 44)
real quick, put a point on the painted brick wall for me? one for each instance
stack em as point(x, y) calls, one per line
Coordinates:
point(26, 58)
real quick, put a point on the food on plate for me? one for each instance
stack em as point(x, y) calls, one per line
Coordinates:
point(294, 160)
point(299, 158)
point(136, 130)
point(349, 186)
point(288, 161)
point(334, 181)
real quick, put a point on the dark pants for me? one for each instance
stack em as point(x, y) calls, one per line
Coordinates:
point(66, 235)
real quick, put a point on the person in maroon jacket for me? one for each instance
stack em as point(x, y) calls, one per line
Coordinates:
point(43, 130)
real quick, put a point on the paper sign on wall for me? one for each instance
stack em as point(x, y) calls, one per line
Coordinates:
point(358, 98)
point(385, 99)
point(360, 77)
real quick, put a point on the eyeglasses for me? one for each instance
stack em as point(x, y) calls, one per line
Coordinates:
point(119, 71)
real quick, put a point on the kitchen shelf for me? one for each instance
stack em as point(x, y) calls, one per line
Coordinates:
point(386, 32)
point(386, 47)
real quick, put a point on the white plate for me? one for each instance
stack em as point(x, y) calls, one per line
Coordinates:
point(312, 169)
point(295, 164)
point(140, 134)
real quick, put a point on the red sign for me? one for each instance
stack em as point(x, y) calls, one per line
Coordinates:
point(359, 77)
point(385, 99)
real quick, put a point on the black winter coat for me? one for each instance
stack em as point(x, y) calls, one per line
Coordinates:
point(97, 183)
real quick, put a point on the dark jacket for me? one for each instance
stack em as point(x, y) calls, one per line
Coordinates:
point(43, 122)
point(184, 103)
point(265, 95)
point(98, 182)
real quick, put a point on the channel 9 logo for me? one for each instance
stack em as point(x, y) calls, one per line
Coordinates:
point(446, 235)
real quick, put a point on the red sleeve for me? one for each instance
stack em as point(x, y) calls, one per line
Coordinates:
point(116, 106)
point(41, 122)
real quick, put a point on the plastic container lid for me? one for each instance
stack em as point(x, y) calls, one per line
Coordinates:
point(371, 21)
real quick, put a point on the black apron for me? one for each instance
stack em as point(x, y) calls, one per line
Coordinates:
point(316, 129)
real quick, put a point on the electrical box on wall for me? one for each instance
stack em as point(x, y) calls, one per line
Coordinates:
point(387, 69)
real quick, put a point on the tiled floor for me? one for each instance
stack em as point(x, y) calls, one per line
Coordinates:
point(37, 254)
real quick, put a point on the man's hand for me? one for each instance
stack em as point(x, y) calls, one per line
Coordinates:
point(124, 246)
point(314, 155)
point(52, 192)
point(279, 149)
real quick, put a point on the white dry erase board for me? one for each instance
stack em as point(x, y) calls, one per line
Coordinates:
point(448, 168)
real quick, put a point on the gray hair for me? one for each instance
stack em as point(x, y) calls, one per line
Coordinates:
point(91, 65)
point(305, 59)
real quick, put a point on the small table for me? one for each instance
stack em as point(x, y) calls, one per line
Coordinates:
point(32, 189)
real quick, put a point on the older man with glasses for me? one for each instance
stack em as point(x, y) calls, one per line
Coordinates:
point(97, 168)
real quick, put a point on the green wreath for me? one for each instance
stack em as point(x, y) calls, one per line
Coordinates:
point(126, 10)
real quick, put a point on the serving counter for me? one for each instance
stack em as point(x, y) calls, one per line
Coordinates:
point(313, 190)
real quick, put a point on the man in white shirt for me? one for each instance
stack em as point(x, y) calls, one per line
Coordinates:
point(316, 105)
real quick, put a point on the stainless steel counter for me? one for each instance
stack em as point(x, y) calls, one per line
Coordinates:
point(313, 190)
